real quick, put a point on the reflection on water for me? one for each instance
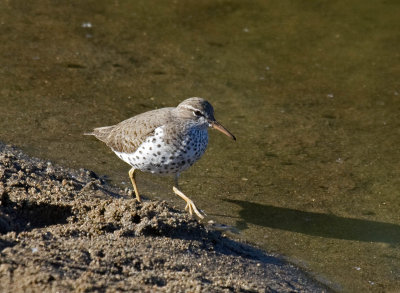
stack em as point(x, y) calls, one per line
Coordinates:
point(310, 89)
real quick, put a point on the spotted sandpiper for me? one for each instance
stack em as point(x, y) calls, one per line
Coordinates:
point(163, 141)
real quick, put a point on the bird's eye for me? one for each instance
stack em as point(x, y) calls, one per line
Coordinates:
point(197, 113)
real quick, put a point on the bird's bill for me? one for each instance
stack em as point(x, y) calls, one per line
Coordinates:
point(216, 125)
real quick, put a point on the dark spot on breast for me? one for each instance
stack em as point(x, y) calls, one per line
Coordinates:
point(159, 145)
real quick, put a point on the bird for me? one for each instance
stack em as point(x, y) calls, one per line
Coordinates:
point(164, 141)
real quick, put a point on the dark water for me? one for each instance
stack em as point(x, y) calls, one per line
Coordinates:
point(310, 89)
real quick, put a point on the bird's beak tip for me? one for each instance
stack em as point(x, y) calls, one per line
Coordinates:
point(216, 125)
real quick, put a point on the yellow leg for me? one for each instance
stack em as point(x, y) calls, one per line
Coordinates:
point(189, 203)
point(132, 176)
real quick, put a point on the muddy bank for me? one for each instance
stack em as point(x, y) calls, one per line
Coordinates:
point(64, 230)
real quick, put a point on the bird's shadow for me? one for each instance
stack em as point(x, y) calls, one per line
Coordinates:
point(316, 224)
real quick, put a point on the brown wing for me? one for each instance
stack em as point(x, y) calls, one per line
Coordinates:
point(127, 135)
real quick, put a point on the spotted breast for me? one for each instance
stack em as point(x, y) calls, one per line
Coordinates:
point(160, 155)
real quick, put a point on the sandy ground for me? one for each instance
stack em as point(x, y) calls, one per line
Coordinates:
point(65, 230)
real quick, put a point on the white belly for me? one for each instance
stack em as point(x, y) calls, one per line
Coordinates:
point(156, 156)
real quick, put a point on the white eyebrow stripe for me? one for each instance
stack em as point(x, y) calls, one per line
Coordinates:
point(191, 108)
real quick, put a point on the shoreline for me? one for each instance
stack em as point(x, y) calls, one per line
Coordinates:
point(68, 230)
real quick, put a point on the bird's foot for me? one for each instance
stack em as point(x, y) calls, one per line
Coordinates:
point(190, 206)
point(132, 194)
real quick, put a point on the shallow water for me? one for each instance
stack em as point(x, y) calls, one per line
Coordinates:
point(311, 91)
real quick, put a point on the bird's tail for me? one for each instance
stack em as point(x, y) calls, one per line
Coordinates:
point(101, 133)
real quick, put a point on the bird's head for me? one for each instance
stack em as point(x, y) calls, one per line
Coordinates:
point(200, 112)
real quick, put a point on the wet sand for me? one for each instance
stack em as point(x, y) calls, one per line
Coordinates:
point(67, 230)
